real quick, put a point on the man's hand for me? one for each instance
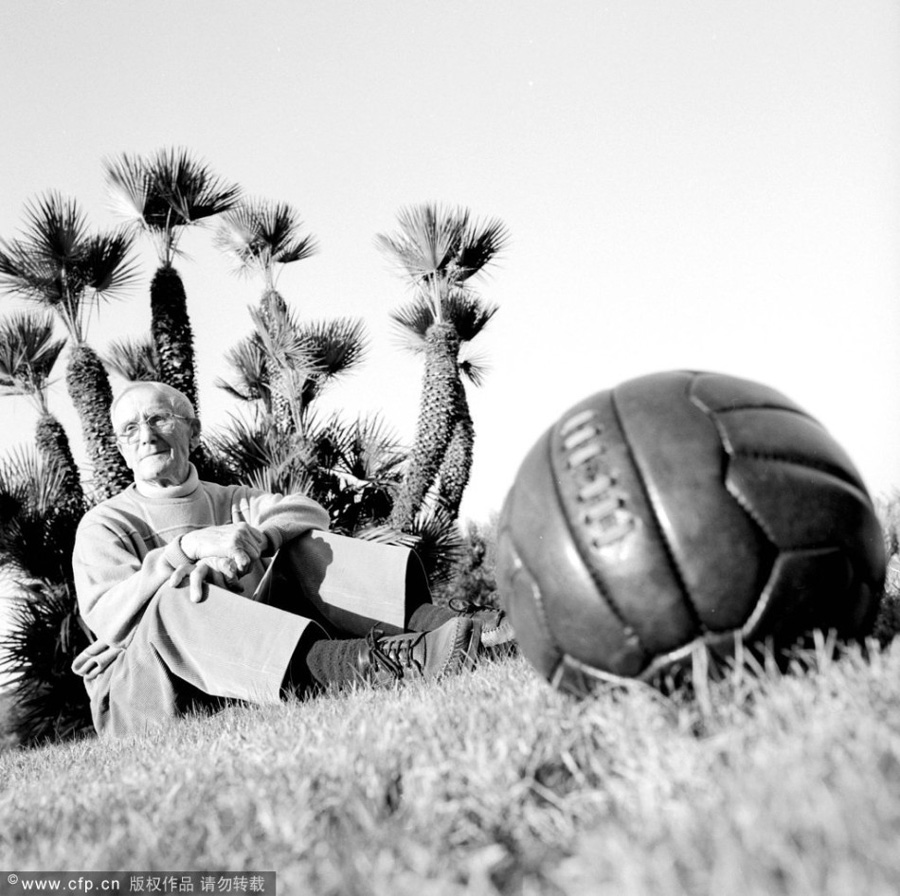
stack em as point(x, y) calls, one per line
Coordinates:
point(94, 659)
point(240, 543)
point(221, 571)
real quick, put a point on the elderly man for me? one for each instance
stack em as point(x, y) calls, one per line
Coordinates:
point(177, 580)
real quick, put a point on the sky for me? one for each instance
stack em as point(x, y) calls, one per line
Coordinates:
point(687, 184)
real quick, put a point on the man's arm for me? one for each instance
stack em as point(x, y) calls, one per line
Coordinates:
point(113, 584)
point(260, 523)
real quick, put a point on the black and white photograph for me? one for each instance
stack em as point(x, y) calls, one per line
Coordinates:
point(450, 448)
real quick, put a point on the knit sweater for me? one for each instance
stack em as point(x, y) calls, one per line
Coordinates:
point(127, 547)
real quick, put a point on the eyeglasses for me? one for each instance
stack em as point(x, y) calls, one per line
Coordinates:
point(161, 423)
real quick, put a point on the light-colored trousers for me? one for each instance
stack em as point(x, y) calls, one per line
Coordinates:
point(186, 655)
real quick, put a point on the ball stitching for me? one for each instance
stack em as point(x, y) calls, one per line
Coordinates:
point(604, 516)
point(602, 505)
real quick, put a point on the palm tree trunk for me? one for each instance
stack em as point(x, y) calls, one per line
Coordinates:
point(272, 307)
point(456, 467)
point(53, 445)
point(89, 389)
point(170, 328)
point(435, 424)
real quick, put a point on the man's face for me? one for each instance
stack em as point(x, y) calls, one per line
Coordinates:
point(158, 458)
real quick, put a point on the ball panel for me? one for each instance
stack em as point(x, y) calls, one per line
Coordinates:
point(786, 434)
point(717, 392)
point(581, 618)
point(808, 589)
point(613, 525)
point(803, 507)
point(721, 556)
point(522, 601)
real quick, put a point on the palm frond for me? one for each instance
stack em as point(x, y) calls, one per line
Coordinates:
point(234, 391)
point(108, 270)
point(436, 244)
point(411, 322)
point(35, 539)
point(335, 346)
point(481, 243)
point(135, 360)
point(46, 263)
point(247, 446)
point(128, 181)
point(468, 313)
point(21, 276)
point(352, 469)
point(259, 234)
point(248, 359)
point(27, 480)
point(55, 228)
point(474, 367)
point(440, 546)
point(427, 242)
point(373, 451)
point(283, 480)
point(463, 309)
point(166, 191)
point(358, 452)
point(50, 702)
point(434, 536)
point(28, 353)
point(59, 264)
point(190, 187)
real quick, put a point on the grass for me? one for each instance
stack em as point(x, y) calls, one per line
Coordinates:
point(491, 782)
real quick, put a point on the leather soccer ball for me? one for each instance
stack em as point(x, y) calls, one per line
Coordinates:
point(680, 510)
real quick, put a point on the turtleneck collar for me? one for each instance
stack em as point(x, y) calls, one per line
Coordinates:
point(162, 492)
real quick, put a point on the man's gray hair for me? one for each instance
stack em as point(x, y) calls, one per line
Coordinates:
point(178, 401)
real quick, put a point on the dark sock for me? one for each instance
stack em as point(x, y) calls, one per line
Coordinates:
point(428, 617)
point(334, 662)
point(319, 661)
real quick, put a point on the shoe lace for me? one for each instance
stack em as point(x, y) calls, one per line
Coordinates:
point(462, 606)
point(392, 654)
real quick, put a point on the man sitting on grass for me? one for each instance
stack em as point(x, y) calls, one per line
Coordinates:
point(199, 592)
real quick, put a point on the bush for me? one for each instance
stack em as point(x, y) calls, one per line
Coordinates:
point(49, 700)
point(474, 578)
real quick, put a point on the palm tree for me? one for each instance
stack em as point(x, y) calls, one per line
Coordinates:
point(438, 252)
point(162, 195)
point(468, 315)
point(28, 353)
point(60, 265)
point(261, 236)
point(352, 468)
point(284, 365)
